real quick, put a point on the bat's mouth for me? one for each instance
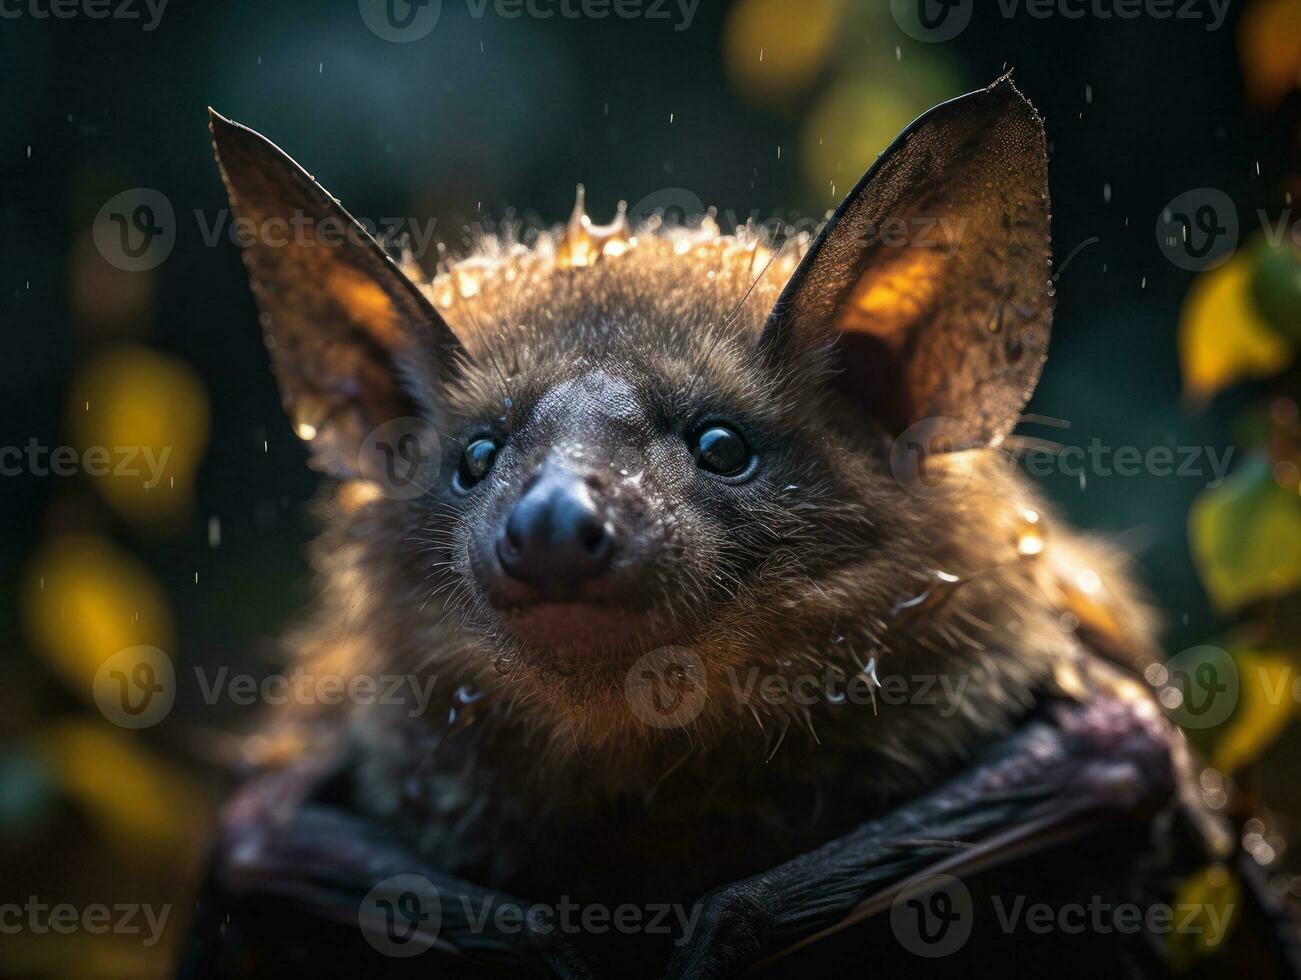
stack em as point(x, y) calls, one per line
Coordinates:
point(582, 627)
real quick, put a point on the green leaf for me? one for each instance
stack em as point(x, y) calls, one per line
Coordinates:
point(1276, 287)
point(1246, 537)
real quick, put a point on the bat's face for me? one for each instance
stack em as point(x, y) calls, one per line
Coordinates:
point(618, 485)
point(669, 445)
point(624, 473)
point(615, 506)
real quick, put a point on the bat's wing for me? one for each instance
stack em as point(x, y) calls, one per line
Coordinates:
point(1091, 800)
point(1088, 802)
point(298, 884)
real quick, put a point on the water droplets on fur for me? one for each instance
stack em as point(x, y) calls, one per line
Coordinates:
point(1030, 534)
point(938, 590)
point(873, 682)
point(464, 711)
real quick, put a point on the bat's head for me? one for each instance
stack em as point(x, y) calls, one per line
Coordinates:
point(611, 464)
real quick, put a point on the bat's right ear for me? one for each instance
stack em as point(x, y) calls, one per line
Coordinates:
point(929, 287)
point(345, 327)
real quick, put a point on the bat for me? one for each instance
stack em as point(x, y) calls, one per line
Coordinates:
point(681, 533)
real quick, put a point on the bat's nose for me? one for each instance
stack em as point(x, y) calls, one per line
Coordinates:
point(557, 536)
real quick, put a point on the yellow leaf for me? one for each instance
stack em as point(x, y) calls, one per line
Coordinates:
point(1269, 46)
point(1265, 706)
point(1222, 338)
point(775, 48)
point(147, 812)
point(139, 419)
point(1245, 537)
point(85, 600)
point(1206, 910)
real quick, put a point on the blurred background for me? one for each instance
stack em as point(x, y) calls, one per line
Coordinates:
point(127, 322)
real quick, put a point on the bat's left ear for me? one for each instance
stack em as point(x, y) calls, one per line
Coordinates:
point(930, 286)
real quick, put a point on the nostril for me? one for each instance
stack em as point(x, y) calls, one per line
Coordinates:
point(513, 543)
point(594, 537)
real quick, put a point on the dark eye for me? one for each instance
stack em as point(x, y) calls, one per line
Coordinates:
point(721, 450)
point(476, 461)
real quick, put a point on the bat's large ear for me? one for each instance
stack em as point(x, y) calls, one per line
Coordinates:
point(930, 286)
point(348, 332)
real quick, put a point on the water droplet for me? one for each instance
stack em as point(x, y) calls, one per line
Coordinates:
point(464, 711)
point(995, 322)
point(941, 587)
point(873, 682)
point(1088, 581)
point(1030, 534)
